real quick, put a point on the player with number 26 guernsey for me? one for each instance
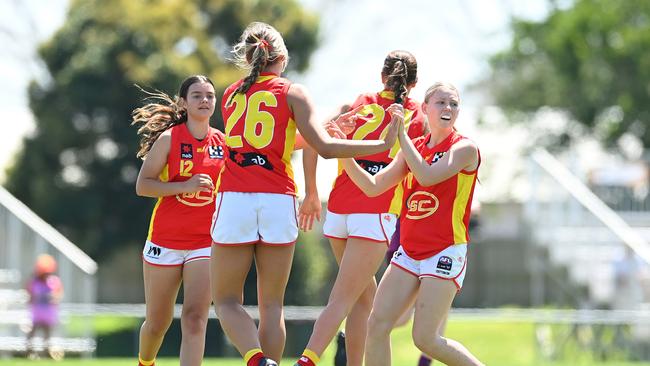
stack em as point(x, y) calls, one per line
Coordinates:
point(260, 141)
point(255, 216)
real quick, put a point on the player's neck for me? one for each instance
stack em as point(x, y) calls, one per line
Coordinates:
point(274, 68)
point(438, 136)
point(198, 129)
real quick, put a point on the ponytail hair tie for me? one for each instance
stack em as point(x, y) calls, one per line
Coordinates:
point(265, 44)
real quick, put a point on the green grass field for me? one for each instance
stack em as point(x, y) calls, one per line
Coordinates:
point(239, 362)
point(503, 344)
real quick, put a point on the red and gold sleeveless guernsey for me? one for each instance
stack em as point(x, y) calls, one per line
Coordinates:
point(260, 135)
point(346, 197)
point(436, 217)
point(183, 221)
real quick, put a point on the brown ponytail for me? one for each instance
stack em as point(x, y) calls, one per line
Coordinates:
point(162, 113)
point(400, 71)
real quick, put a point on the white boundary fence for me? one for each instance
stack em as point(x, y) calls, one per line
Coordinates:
point(311, 313)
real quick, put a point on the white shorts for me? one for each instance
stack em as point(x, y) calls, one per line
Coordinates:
point(450, 264)
point(247, 218)
point(160, 256)
point(375, 227)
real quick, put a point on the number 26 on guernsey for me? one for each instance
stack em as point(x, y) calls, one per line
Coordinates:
point(258, 124)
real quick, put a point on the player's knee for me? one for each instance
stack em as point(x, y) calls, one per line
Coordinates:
point(271, 304)
point(156, 327)
point(378, 326)
point(431, 344)
point(222, 306)
point(339, 307)
point(365, 301)
point(271, 309)
point(194, 320)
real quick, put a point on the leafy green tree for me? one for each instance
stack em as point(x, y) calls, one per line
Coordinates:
point(591, 60)
point(78, 170)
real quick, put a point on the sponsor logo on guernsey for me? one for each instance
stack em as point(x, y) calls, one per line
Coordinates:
point(444, 263)
point(421, 204)
point(215, 152)
point(437, 156)
point(372, 167)
point(251, 159)
point(186, 151)
point(154, 251)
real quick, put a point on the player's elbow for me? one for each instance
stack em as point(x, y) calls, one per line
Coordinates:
point(328, 155)
point(327, 151)
point(139, 189)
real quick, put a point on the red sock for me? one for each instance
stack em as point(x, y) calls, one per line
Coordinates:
point(255, 359)
point(305, 361)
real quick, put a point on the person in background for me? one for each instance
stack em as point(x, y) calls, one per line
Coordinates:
point(45, 291)
point(629, 273)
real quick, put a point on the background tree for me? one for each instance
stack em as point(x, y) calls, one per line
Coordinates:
point(591, 60)
point(78, 170)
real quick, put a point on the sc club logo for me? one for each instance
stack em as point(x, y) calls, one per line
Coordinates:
point(421, 204)
point(196, 199)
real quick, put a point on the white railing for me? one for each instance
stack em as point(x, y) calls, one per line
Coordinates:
point(580, 232)
point(47, 232)
point(592, 203)
point(311, 313)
